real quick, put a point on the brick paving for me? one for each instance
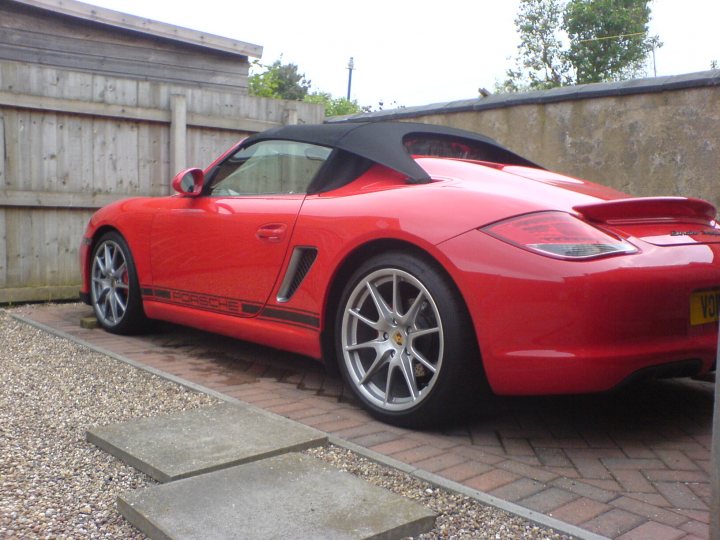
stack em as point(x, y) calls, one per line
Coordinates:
point(633, 464)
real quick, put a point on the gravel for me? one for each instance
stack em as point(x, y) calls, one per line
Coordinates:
point(459, 516)
point(54, 484)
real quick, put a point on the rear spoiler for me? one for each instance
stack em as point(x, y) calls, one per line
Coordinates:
point(649, 210)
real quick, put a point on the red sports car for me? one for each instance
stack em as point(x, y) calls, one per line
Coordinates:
point(427, 263)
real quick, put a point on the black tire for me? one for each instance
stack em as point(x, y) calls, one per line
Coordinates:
point(414, 364)
point(114, 290)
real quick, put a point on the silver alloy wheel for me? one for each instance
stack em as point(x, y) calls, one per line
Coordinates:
point(110, 283)
point(392, 339)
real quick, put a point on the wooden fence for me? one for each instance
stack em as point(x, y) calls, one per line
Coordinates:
point(71, 142)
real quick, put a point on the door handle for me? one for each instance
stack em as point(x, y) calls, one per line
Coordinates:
point(271, 232)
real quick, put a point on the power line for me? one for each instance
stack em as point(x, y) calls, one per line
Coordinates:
point(612, 37)
point(622, 36)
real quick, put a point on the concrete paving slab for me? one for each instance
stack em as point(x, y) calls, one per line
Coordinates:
point(288, 496)
point(202, 440)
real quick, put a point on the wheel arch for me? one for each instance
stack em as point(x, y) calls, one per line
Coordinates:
point(345, 270)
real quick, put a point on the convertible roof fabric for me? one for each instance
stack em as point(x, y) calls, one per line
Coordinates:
point(383, 143)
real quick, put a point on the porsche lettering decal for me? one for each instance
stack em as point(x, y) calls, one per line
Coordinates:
point(709, 232)
point(230, 306)
point(202, 301)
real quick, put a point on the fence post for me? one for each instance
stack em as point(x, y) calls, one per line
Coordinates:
point(290, 116)
point(178, 135)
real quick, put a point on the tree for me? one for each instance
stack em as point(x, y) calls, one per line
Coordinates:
point(283, 81)
point(279, 81)
point(608, 41)
point(541, 60)
point(334, 106)
point(608, 38)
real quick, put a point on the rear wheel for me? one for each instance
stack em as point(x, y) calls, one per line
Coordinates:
point(114, 289)
point(405, 342)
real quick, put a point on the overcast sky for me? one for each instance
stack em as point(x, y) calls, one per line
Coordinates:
point(411, 52)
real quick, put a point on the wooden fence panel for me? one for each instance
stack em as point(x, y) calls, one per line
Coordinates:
point(71, 142)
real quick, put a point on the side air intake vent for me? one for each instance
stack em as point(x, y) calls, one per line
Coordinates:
point(301, 261)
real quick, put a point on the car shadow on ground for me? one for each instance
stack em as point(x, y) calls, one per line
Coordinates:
point(648, 412)
point(662, 409)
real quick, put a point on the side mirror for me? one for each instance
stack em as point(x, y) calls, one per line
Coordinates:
point(189, 182)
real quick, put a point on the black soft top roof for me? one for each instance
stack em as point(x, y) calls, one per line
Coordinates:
point(385, 143)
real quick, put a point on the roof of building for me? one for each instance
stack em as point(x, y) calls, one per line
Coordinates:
point(116, 19)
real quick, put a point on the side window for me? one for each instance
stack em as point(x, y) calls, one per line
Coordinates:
point(269, 168)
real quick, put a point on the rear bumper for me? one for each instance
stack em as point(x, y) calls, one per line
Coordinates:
point(547, 326)
point(584, 371)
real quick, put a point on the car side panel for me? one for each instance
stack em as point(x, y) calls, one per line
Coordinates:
point(221, 253)
point(337, 227)
point(133, 218)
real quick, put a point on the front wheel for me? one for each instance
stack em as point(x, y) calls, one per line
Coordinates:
point(405, 341)
point(114, 289)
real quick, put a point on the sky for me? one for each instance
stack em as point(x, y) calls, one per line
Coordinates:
point(411, 52)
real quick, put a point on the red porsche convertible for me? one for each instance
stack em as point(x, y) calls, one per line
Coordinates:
point(428, 264)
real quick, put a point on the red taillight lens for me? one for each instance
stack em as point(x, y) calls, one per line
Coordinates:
point(557, 234)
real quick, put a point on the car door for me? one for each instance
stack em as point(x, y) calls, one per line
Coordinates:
point(222, 251)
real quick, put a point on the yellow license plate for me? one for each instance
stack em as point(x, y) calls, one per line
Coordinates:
point(704, 307)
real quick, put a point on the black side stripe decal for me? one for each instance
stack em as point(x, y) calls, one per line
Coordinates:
point(230, 306)
point(291, 316)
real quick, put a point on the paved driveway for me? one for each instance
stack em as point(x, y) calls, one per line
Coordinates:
point(633, 464)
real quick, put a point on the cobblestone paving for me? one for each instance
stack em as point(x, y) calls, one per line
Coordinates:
point(632, 464)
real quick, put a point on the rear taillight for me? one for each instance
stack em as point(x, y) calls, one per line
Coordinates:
point(560, 235)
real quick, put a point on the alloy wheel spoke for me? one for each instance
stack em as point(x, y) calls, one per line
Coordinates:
point(396, 298)
point(383, 309)
point(424, 332)
point(388, 383)
point(408, 375)
point(107, 259)
point(381, 359)
point(118, 274)
point(417, 355)
point(375, 325)
point(119, 302)
point(412, 313)
point(372, 344)
point(102, 296)
point(100, 265)
point(113, 307)
point(113, 260)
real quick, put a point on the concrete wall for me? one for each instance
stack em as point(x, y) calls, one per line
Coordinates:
point(649, 137)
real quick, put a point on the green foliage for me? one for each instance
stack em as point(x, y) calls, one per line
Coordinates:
point(333, 106)
point(608, 40)
point(279, 81)
point(541, 61)
point(282, 81)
